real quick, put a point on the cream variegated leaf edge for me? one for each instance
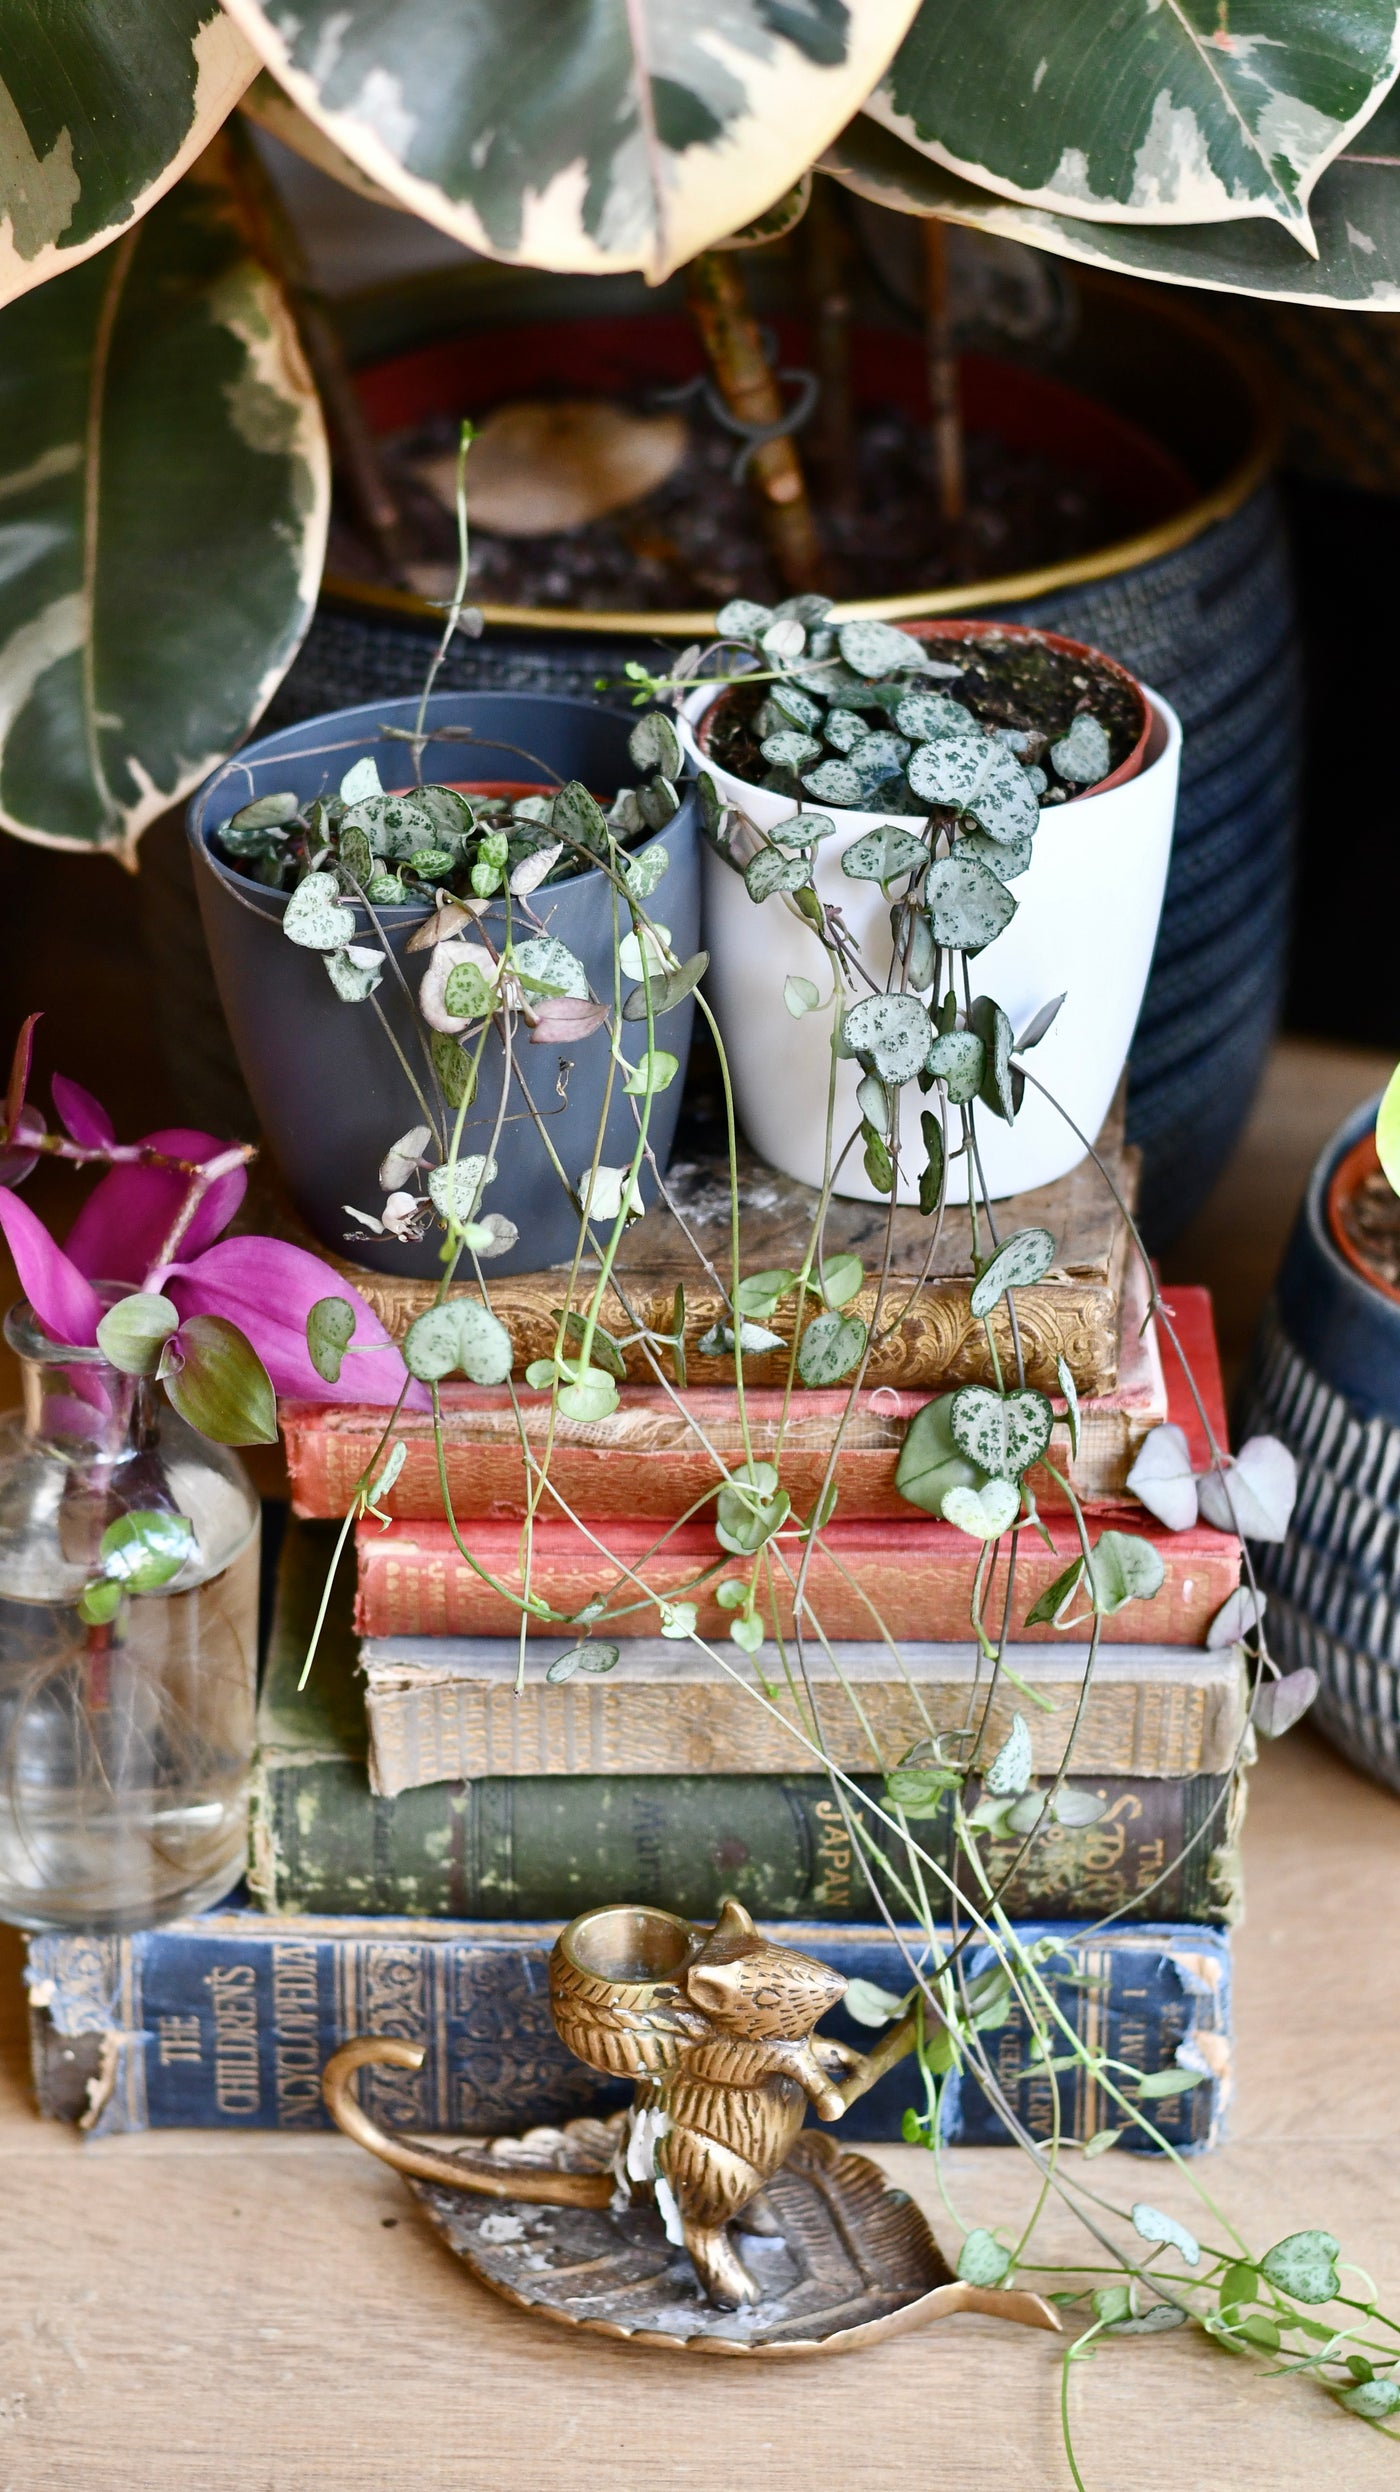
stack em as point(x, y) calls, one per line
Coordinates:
point(574, 136)
point(141, 638)
point(271, 108)
point(43, 181)
point(1356, 216)
point(1142, 111)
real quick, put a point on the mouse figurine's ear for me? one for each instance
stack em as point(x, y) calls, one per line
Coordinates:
point(733, 1923)
point(710, 1987)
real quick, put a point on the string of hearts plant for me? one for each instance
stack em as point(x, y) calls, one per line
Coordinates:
point(965, 804)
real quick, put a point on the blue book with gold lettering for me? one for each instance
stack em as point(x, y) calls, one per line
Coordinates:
point(226, 2020)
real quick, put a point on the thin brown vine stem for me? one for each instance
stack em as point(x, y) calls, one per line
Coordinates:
point(459, 597)
point(969, 2042)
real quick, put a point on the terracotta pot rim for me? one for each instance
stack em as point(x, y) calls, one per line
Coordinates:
point(1354, 1166)
point(980, 628)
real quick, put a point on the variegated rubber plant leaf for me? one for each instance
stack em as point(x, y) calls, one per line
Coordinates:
point(271, 107)
point(583, 135)
point(164, 492)
point(1142, 111)
point(1355, 216)
point(103, 104)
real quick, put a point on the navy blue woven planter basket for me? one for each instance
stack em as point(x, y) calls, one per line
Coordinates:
point(1324, 1375)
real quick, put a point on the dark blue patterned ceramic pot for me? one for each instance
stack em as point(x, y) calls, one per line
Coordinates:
point(1324, 1376)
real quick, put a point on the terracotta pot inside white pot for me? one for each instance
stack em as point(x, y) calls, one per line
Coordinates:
point(1085, 926)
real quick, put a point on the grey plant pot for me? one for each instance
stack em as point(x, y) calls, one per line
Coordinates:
point(1324, 1375)
point(330, 1095)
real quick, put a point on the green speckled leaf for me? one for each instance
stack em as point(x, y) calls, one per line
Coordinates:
point(980, 777)
point(164, 490)
point(878, 856)
point(580, 134)
point(1022, 1258)
point(957, 1057)
point(103, 104)
point(1190, 113)
point(1355, 212)
point(893, 1031)
point(1003, 1433)
point(968, 907)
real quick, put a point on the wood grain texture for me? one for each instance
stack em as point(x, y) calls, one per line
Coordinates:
point(187, 2313)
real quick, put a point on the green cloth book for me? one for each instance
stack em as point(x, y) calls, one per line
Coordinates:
point(523, 1847)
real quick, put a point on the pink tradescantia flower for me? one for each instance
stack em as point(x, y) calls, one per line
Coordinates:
point(128, 1216)
point(262, 1284)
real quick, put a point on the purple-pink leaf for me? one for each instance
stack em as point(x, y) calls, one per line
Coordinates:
point(128, 1216)
point(16, 1165)
point(82, 1116)
point(65, 1302)
point(268, 1289)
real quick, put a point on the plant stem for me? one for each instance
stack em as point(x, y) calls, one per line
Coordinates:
point(828, 256)
point(750, 390)
point(942, 366)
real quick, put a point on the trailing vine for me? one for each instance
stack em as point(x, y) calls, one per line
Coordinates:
point(964, 802)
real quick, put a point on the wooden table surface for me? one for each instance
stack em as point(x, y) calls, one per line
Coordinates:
point(202, 2313)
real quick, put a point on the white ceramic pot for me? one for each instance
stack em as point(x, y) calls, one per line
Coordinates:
point(1085, 924)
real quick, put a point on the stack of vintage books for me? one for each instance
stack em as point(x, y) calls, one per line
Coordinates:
point(427, 1811)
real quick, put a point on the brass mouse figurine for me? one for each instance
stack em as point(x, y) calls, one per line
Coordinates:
point(727, 2067)
point(717, 2031)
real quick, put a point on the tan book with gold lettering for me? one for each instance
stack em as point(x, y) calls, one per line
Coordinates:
point(926, 1335)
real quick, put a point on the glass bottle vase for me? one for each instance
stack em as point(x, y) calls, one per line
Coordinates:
point(126, 1705)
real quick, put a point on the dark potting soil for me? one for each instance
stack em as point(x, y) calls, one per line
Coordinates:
point(698, 540)
point(1370, 1216)
point(1013, 682)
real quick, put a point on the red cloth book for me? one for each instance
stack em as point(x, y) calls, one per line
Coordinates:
point(904, 1570)
point(648, 1463)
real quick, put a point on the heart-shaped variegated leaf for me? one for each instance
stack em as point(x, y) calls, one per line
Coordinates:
point(997, 1089)
point(878, 856)
point(979, 776)
point(1279, 1703)
point(771, 871)
point(968, 906)
point(1174, 116)
point(315, 918)
point(894, 1031)
point(546, 965)
point(1010, 1769)
point(985, 1512)
point(1082, 754)
point(101, 110)
point(876, 649)
point(1018, 1261)
point(1255, 1493)
point(456, 1189)
point(1003, 1433)
point(930, 1461)
point(164, 491)
point(830, 1348)
point(956, 1057)
point(584, 135)
point(1162, 1477)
